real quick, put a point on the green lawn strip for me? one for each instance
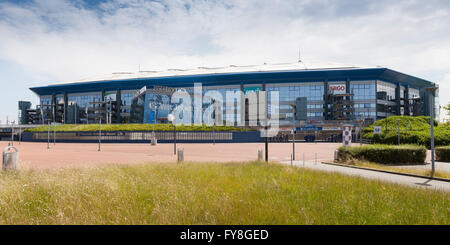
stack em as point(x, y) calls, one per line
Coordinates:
point(210, 193)
point(132, 127)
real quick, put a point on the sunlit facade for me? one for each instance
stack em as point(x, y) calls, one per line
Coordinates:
point(332, 94)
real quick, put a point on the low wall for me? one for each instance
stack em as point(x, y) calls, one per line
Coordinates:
point(145, 137)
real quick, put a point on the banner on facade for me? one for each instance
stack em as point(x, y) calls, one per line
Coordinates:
point(347, 135)
point(337, 88)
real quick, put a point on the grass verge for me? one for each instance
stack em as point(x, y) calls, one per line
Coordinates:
point(132, 127)
point(417, 171)
point(226, 194)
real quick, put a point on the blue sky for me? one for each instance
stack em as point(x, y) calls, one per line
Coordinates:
point(42, 42)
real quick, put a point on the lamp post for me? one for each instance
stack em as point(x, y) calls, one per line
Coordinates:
point(54, 133)
point(431, 91)
point(266, 142)
point(398, 130)
point(48, 135)
point(100, 134)
point(153, 107)
point(294, 108)
point(360, 132)
point(214, 125)
point(12, 134)
point(171, 119)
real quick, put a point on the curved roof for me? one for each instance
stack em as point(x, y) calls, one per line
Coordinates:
point(229, 75)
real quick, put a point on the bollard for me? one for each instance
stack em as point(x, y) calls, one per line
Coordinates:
point(303, 159)
point(335, 155)
point(315, 158)
point(291, 160)
point(180, 154)
point(260, 155)
point(154, 141)
point(10, 159)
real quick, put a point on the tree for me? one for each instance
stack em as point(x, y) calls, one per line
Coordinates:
point(447, 108)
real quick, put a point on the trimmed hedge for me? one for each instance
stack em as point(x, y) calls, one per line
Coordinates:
point(385, 154)
point(418, 131)
point(133, 127)
point(443, 153)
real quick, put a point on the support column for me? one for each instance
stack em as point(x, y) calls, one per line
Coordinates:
point(53, 110)
point(242, 105)
point(118, 105)
point(397, 99)
point(406, 104)
point(103, 106)
point(66, 101)
point(325, 100)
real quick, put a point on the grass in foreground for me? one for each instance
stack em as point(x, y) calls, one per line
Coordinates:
point(422, 172)
point(191, 193)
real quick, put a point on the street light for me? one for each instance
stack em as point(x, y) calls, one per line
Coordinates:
point(171, 119)
point(431, 91)
point(48, 135)
point(398, 130)
point(12, 134)
point(214, 125)
point(154, 107)
point(294, 108)
point(99, 133)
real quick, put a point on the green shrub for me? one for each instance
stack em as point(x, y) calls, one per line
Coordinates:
point(443, 153)
point(133, 127)
point(413, 130)
point(385, 154)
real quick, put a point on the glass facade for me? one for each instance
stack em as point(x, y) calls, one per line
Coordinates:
point(288, 93)
point(368, 98)
point(230, 108)
point(363, 91)
point(364, 98)
point(80, 107)
point(385, 91)
point(83, 100)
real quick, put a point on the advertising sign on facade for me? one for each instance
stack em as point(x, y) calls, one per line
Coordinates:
point(332, 128)
point(248, 90)
point(309, 129)
point(337, 88)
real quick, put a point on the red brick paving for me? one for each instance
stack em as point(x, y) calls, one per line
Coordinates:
point(37, 156)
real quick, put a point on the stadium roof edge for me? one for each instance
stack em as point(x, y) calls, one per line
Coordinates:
point(234, 78)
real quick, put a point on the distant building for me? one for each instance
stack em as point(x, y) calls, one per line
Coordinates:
point(24, 106)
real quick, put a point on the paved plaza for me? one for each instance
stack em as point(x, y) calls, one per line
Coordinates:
point(37, 156)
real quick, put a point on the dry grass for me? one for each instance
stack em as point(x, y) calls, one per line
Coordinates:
point(193, 193)
point(399, 169)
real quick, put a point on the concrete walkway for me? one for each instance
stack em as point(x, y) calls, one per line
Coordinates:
point(440, 166)
point(394, 178)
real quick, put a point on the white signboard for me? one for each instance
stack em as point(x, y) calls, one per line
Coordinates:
point(141, 91)
point(110, 96)
point(377, 130)
point(337, 88)
point(331, 128)
point(347, 135)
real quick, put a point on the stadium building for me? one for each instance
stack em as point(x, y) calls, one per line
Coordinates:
point(322, 93)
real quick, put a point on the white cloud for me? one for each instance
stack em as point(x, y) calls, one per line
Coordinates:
point(62, 40)
point(444, 95)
